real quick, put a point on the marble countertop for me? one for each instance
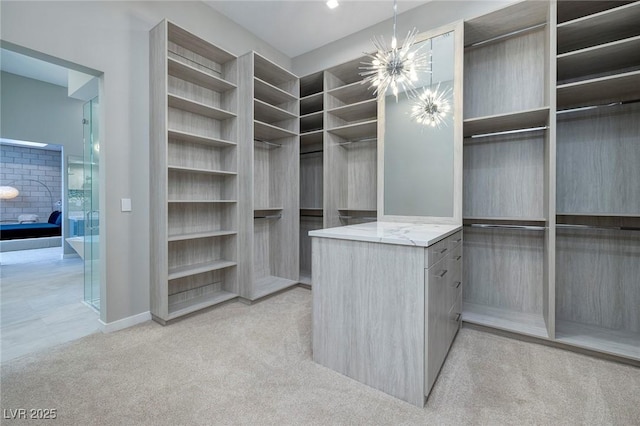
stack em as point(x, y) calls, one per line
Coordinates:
point(408, 234)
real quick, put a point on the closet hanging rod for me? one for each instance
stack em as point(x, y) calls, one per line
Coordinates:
point(358, 140)
point(277, 145)
point(273, 216)
point(604, 228)
point(198, 63)
point(514, 227)
point(511, 34)
point(311, 152)
point(509, 132)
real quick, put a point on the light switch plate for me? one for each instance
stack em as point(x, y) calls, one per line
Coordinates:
point(126, 204)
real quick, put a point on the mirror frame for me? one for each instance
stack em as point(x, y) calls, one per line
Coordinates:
point(458, 81)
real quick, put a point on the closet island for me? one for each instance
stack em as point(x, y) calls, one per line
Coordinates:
point(387, 303)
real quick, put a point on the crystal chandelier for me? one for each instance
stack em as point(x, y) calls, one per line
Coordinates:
point(431, 106)
point(394, 68)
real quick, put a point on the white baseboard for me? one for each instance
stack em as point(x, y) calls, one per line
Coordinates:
point(124, 322)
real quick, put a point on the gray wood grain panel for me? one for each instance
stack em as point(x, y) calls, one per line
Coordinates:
point(362, 175)
point(345, 73)
point(307, 223)
point(185, 253)
point(613, 342)
point(311, 103)
point(179, 286)
point(285, 181)
point(598, 157)
point(602, 27)
point(187, 40)
point(245, 175)
point(599, 91)
point(335, 179)
point(197, 124)
point(506, 20)
point(598, 278)
point(186, 56)
point(574, 9)
point(549, 203)
point(311, 84)
point(191, 91)
point(274, 74)
point(503, 176)
point(436, 345)
point(524, 323)
point(506, 76)
point(202, 77)
point(378, 289)
point(185, 154)
point(603, 58)
point(185, 218)
point(537, 117)
point(504, 269)
point(158, 170)
point(311, 180)
point(197, 186)
point(349, 94)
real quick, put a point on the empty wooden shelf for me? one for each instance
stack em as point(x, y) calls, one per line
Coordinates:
point(603, 27)
point(537, 117)
point(194, 304)
point(603, 58)
point(195, 138)
point(199, 77)
point(598, 91)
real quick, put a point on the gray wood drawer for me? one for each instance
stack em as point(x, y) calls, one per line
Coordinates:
point(436, 252)
point(454, 240)
point(442, 248)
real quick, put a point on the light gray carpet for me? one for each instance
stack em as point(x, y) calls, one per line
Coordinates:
point(241, 364)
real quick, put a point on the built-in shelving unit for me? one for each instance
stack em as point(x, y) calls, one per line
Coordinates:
point(351, 126)
point(508, 139)
point(311, 165)
point(194, 173)
point(598, 202)
point(551, 200)
point(269, 177)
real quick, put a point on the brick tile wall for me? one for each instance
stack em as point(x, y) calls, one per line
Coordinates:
point(19, 163)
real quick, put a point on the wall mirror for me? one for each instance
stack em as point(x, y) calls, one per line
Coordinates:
point(420, 165)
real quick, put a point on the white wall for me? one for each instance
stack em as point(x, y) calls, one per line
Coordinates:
point(112, 37)
point(36, 111)
point(427, 17)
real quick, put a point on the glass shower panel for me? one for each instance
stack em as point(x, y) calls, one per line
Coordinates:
point(91, 207)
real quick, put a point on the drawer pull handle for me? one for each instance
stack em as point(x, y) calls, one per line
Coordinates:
point(458, 240)
point(443, 250)
point(458, 283)
point(443, 273)
point(457, 317)
point(458, 258)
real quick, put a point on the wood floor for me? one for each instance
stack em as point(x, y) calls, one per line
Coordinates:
point(41, 302)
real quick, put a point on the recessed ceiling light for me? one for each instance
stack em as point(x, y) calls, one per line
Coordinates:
point(333, 4)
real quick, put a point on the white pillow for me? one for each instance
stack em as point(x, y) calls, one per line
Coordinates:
point(28, 218)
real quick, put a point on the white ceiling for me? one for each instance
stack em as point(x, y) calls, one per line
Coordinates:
point(26, 66)
point(298, 26)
